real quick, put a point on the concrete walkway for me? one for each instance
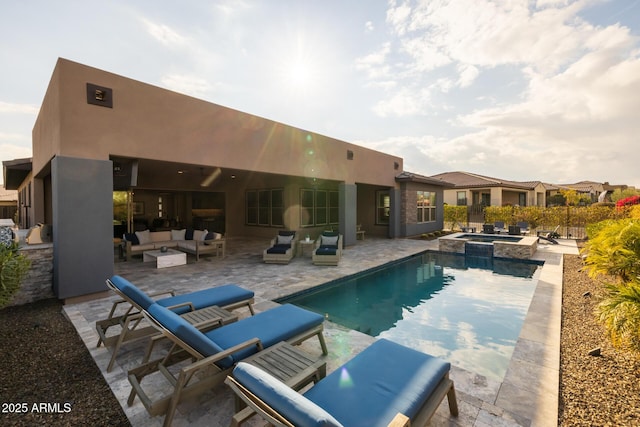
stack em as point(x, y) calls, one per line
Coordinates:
point(527, 396)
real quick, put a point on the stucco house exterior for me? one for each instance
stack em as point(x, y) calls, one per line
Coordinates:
point(470, 189)
point(176, 161)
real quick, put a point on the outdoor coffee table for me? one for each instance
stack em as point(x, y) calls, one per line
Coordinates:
point(170, 258)
point(287, 363)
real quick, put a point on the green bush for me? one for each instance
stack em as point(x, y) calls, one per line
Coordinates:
point(619, 312)
point(13, 267)
point(613, 249)
point(454, 215)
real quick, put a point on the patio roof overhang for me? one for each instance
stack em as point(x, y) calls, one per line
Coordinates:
point(14, 172)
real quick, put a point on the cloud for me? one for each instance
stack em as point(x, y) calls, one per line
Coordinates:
point(165, 34)
point(6, 107)
point(190, 84)
point(368, 27)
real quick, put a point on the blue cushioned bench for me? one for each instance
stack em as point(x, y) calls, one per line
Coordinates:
point(227, 297)
point(216, 351)
point(370, 390)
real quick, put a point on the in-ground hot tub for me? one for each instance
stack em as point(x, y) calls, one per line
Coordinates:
point(490, 245)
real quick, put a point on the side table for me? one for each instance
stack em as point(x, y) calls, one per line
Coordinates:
point(287, 363)
point(302, 244)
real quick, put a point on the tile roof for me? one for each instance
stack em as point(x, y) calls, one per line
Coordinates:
point(471, 180)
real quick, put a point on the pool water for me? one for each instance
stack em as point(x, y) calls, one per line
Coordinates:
point(466, 310)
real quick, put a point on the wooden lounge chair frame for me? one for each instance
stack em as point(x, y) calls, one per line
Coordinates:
point(195, 378)
point(130, 322)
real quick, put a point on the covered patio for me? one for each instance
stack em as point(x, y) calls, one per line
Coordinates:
point(528, 395)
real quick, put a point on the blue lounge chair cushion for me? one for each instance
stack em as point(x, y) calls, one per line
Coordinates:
point(327, 250)
point(293, 406)
point(220, 296)
point(132, 291)
point(384, 379)
point(270, 327)
point(279, 249)
point(186, 332)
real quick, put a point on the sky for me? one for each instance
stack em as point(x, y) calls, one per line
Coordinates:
point(523, 90)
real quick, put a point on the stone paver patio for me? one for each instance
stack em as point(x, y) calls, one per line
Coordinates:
point(527, 396)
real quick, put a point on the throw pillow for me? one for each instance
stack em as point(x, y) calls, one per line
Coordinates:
point(188, 235)
point(217, 236)
point(329, 240)
point(199, 234)
point(143, 237)
point(178, 234)
point(131, 237)
point(284, 240)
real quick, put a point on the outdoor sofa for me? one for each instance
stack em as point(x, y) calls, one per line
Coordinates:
point(194, 242)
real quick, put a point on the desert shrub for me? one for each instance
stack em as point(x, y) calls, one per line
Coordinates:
point(13, 267)
point(454, 215)
point(613, 249)
point(619, 312)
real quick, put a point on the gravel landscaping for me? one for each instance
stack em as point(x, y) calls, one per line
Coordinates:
point(48, 378)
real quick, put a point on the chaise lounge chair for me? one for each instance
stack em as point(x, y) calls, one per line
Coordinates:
point(216, 351)
point(386, 383)
point(201, 307)
point(328, 249)
point(549, 236)
point(282, 249)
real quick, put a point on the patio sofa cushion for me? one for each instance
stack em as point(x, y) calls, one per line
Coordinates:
point(326, 250)
point(279, 249)
point(296, 408)
point(178, 234)
point(383, 380)
point(270, 327)
point(329, 240)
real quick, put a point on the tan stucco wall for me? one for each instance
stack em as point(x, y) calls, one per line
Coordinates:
point(154, 123)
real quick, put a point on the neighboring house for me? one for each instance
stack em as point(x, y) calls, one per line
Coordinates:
point(597, 192)
point(475, 190)
point(111, 154)
point(8, 203)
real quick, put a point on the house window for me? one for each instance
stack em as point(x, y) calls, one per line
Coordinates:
point(318, 207)
point(265, 207)
point(383, 207)
point(522, 199)
point(426, 202)
point(461, 197)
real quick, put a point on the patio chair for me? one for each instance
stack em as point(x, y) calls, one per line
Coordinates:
point(488, 228)
point(498, 227)
point(524, 227)
point(328, 249)
point(549, 236)
point(386, 383)
point(215, 352)
point(282, 248)
point(228, 297)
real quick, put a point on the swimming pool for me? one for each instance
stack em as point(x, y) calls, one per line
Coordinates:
point(466, 310)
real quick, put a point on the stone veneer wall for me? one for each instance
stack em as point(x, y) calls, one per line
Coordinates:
point(37, 284)
point(510, 250)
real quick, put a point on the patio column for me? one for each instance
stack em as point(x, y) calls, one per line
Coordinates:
point(82, 220)
point(348, 210)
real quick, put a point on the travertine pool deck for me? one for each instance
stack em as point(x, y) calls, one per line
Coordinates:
point(527, 396)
